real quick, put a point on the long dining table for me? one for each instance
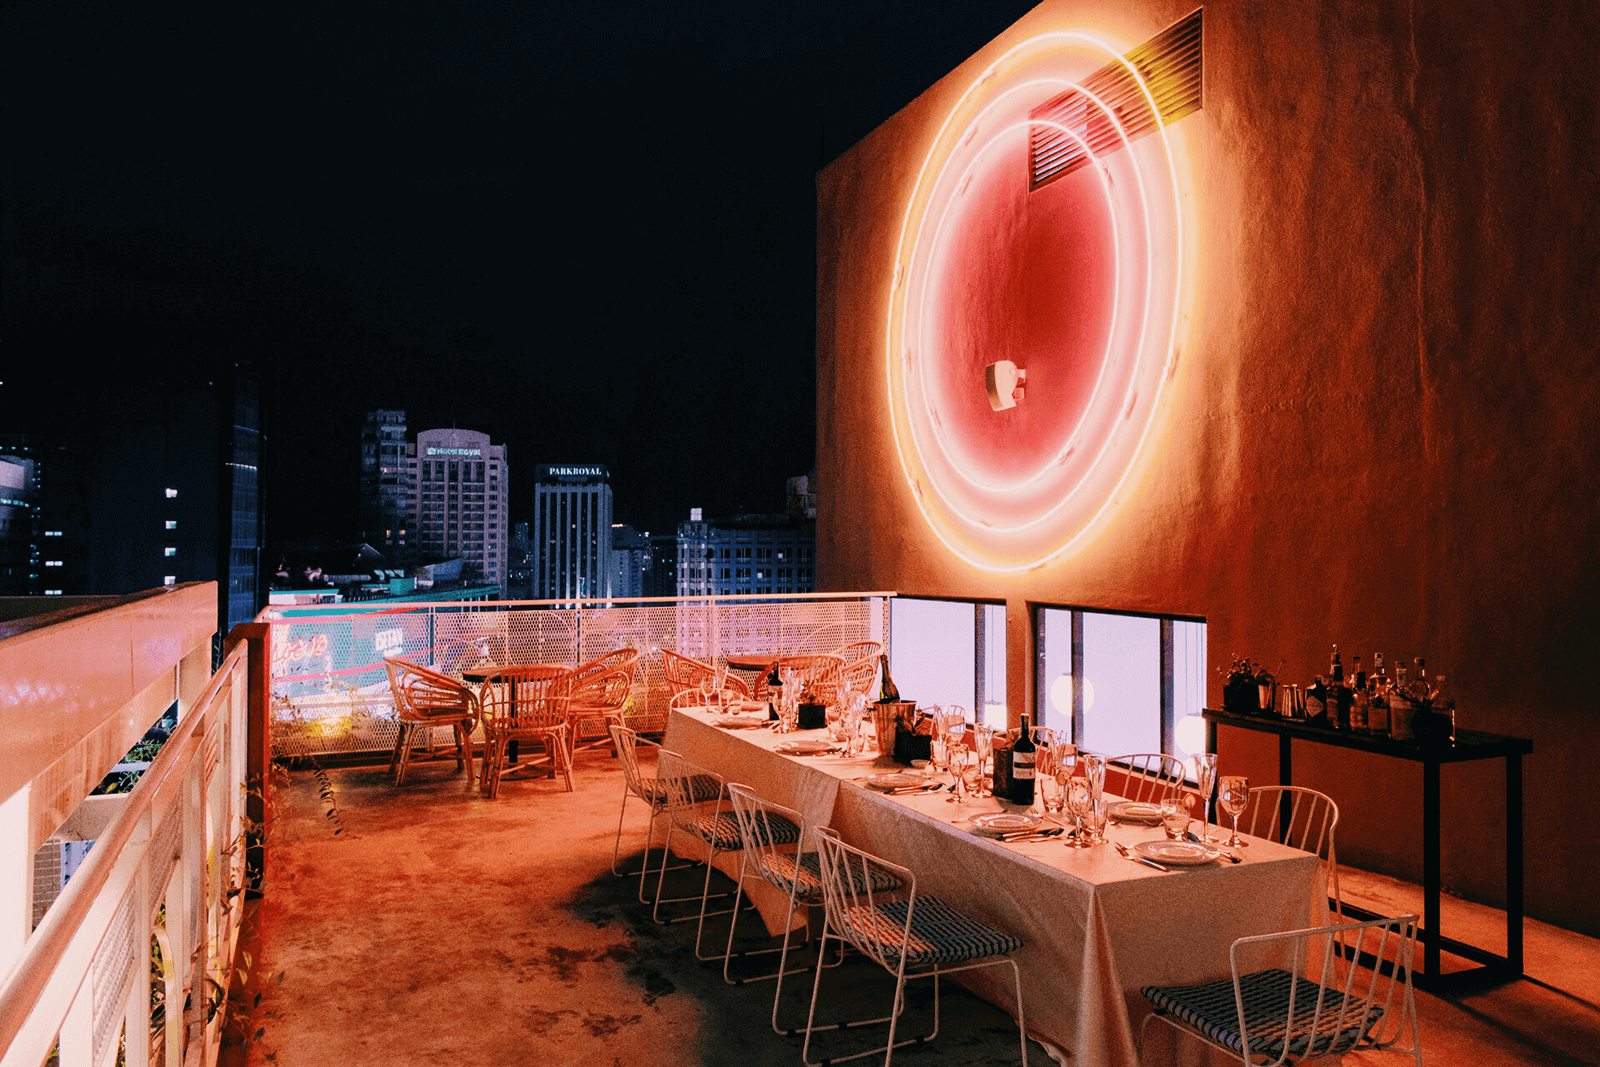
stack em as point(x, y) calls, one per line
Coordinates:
point(1095, 926)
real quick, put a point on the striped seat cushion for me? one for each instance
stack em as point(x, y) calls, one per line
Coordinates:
point(1209, 1009)
point(803, 873)
point(703, 788)
point(721, 831)
point(939, 934)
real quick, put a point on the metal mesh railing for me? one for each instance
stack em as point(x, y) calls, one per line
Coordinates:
point(330, 693)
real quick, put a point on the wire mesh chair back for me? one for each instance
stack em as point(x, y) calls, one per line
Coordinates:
point(627, 743)
point(822, 671)
point(1300, 818)
point(528, 698)
point(851, 897)
point(683, 787)
point(1319, 1003)
point(1150, 777)
point(766, 829)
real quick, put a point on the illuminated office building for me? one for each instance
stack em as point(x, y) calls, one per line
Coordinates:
point(386, 486)
point(571, 535)
point(459, 489)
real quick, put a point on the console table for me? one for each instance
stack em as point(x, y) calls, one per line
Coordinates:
point(1468, 746)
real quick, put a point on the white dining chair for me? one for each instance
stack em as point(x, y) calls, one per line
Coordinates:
point(1150, 777)
point(907, 935)
point(640, 786)
point(1300, 818)
point(1292, 997)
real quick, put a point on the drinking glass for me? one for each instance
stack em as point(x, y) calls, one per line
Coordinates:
point(1078, 805)
point(706, 685)
point(1051, 791)
point(1235, 796)
point(1175, 815)
point(939, 755)
point(1205, 774)
point(983, 744)
point(960, 756)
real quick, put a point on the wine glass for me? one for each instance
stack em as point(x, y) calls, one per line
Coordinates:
point(707, 682)
point(1079, 804)
point(1235, 796)
point(959, 756)
point(1205, 774)
point(983, 744)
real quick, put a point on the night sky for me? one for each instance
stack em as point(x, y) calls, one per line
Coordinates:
point(586, 229)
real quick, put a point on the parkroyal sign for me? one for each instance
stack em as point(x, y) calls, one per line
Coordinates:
point(573, 472)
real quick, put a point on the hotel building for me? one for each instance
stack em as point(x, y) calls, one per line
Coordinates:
point(459, 488)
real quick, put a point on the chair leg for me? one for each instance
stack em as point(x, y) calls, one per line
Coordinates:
point(402, 750)
point(561, 751)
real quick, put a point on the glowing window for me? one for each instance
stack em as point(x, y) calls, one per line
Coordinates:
point(171, 493)
point(169, 551)
point(172, 524)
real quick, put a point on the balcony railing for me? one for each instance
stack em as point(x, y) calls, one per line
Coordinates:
point(138, 949)
point(330, 693)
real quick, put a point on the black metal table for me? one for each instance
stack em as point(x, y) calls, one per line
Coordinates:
point(1468, 746)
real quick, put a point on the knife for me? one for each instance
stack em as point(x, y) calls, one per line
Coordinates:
point(1163, 868)
point(913, 789)
point(1023, 836)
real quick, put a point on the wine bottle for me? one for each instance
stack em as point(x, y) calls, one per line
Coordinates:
point(1338, 694)
point(887, 693)
point(1023, 756)
point(1444, 705)
point(775, 689)
point(1360, 699)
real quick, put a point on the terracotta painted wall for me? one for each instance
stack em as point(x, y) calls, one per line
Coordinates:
point(1381, 428)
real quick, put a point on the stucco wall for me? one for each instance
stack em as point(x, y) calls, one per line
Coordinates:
point(1380, 429)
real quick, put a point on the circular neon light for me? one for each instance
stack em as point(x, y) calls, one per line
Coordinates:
point(1010, 489)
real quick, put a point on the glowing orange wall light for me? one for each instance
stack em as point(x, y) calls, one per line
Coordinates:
point(1077, 283)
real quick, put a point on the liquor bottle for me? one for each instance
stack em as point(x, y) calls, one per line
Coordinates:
point(1023, 756)
point(1421, 694)
point(887, 693)
point(1359, 697)
point(1444, 705)
point(1316, 701)
point(1338, 695)
point(1402, 708)
point(1378, 706)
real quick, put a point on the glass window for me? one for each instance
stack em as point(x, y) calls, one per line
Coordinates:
point(942, 652)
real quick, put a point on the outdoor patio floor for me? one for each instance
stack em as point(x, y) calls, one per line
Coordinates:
point(425, 925)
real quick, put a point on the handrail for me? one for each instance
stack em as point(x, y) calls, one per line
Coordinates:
point(274, 614)
point(75, 927)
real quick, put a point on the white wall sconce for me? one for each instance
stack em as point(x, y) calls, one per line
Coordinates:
point(1004, 382)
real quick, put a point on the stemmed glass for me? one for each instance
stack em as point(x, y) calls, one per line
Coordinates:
point(1205, 775)
point(1078, 804)
point(707, 684)
point(1235, 796)
point(959, 757)
point(983, 744)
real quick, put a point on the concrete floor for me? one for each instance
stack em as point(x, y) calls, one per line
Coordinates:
point(425, 925)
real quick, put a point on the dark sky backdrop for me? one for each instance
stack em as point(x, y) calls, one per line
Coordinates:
point(587, 229)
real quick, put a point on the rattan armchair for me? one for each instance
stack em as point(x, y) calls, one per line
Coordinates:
point(527, 705)
point(685, 672)
point(424, 698)
point(600, 690)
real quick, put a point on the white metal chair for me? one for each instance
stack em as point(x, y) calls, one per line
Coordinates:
point(649, 790)
point(906, 935)
point(1300, 818)
point(1307, 1002)
point(1151, 777)
point(424, 698)
point(789, 869)
point(711, 823)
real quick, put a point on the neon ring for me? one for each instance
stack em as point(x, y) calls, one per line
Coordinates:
point(1077, 283)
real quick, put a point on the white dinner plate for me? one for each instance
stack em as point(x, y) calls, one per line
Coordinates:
point(740, 722)
point(1176, 853)
point(1134, 811)
point(888, 782)
point(803, 747)
point(1005, 822)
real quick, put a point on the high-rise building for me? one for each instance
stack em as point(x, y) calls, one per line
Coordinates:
point(459, 491)
point(630, 560)
point(519, 565)
point(385, 484)
point(751, 554)
point(571, 533)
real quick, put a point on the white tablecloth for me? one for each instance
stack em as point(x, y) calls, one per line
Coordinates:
point(1095, 926)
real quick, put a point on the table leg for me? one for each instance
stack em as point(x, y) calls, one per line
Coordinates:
point(1285, 777)
point(1430, 869)
point(1514, 887)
